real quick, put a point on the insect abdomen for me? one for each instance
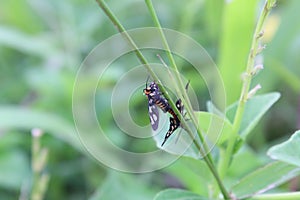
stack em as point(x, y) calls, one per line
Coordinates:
point(163, 104)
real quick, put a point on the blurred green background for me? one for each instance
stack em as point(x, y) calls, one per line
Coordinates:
point(43, 44)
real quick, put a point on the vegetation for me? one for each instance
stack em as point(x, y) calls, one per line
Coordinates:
point(239, 136)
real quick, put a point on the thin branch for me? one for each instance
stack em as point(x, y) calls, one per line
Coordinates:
point(183, 95)
point(255, 49)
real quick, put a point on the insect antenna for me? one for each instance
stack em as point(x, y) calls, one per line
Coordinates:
point(147, 80)
point(187, 85)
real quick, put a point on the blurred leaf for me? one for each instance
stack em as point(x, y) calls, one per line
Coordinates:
point(281, 56)
point(37, 45)
point(12, 139)
point(21, 15)
point(217, 129)
point(287, 151)
point(122, 186)
point(213, 16)
point(235, 39)
point(282, 49)
point(177, 194)
point(18, 117)
point(214, 129)
point(255, 108)
point(14, 169)
point(292, 79)
point(239, 167)
point(211, 108)
point(265, 178)
point(196, 177)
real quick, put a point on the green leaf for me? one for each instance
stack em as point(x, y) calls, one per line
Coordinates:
point(196, 177)
point(264, 179)
point(287, 151)
point(213, 13)
point(283, 51)
point(123, 186)
point(177, 194)
point(18, 117)
point(239, 168)
point(211, 108)
point(215, 129)
point(237, 27)
point(255, 108)
point(36, 45)
point(14, 169)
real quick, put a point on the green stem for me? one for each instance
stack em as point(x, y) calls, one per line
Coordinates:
point(143, 60)
point(224, 163)
point(279, 196)
point(181, 90)
point(39, 160)
point(183, 95)
point(124, 33)
point(140, 56)
point(138, 53)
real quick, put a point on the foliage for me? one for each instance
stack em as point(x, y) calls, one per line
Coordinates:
point(42, 47)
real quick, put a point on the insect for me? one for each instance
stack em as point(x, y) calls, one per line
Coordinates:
point(174, 121)
point(155, 99)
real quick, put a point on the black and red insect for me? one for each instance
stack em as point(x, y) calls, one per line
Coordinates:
point(174, 121)
point(156, 99)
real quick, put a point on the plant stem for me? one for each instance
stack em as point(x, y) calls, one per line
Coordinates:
point(255, 49)
point(279, 196)
point(183, 95)
point(143, 60)
point(39, 159)
point(182, 92)
point(124, 33)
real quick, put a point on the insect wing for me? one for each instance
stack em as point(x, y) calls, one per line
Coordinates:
point(179, 105)
point(174, 124)
point(153, 114)
point(174, 121)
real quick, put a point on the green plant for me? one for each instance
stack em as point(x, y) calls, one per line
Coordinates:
point(240, 119)
point(43, 43)
point(39, 160)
